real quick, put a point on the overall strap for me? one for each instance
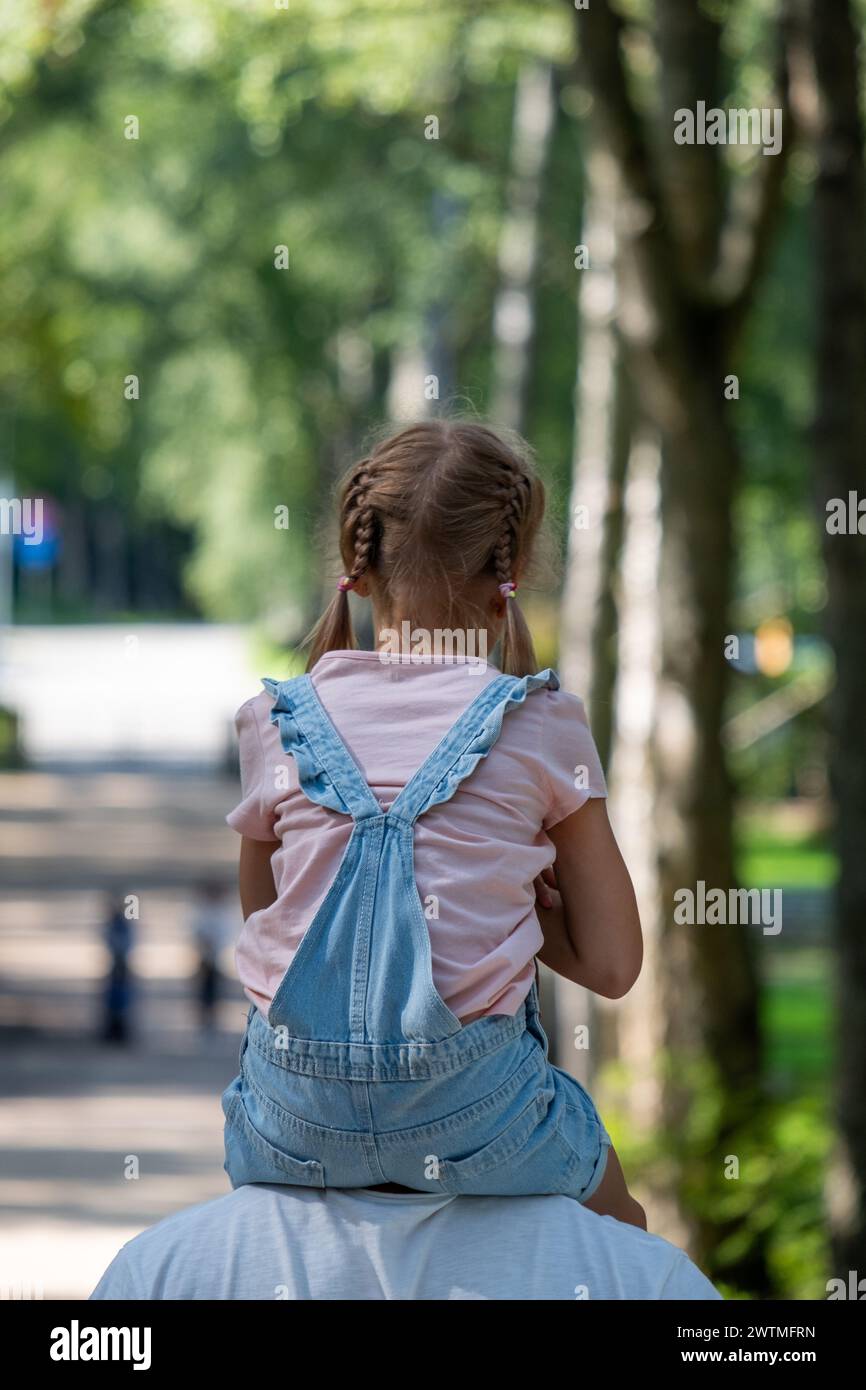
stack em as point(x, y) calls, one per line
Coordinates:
point(467, 741)
point(327, 772)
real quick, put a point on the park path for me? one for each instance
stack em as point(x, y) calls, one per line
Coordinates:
point(74, 1110)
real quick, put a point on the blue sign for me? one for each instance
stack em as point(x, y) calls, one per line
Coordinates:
point(37, 542)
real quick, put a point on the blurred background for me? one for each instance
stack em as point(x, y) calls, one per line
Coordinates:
point(234, 238)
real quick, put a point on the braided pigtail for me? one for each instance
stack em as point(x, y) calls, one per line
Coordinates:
point(358, 539)
point(518, 652)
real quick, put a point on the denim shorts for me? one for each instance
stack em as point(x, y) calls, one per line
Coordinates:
point(506, 1123)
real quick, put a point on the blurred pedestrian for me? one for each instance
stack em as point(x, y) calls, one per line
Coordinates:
point(118, 935)
point(212, 929)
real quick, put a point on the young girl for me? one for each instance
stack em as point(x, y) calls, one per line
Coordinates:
point(399, 821)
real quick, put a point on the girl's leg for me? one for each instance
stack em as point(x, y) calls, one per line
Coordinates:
point(612, 1197)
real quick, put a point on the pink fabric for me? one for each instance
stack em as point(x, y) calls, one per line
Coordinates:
point(476, 856)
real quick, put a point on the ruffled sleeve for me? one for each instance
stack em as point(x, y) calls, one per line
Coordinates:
point(459, 757)
point(570, 757)
point(298, 717)
point(254, 816)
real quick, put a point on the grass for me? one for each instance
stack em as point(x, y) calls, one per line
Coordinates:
point(787, 847)
point(776, 856)
point(797, 1018)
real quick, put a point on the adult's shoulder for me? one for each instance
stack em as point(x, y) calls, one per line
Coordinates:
point(139, 1267)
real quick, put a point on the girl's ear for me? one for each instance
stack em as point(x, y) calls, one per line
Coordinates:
point(362, 586)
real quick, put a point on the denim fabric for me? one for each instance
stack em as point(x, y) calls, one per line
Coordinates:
point(361, 1073)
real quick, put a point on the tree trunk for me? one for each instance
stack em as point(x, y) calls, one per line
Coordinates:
point(604, 417)
point(686, 266)
point(587, 643)
point(840, 435)
point(514, 308)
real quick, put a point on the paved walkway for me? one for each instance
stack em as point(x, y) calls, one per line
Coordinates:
point(78, 1116)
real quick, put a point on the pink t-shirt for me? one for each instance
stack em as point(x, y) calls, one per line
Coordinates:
point(476, 855)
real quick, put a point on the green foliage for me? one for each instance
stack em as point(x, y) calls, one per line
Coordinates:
point(155, 257)
point(768, 1205)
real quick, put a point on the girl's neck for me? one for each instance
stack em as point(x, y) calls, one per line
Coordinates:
point(404, 637)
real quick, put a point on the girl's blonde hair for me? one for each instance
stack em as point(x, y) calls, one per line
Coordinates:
point(430, 509)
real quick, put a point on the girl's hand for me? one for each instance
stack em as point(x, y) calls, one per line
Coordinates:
point(543, 884)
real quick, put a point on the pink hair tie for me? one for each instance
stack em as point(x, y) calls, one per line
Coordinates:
point(345, 582)
point(508, 589)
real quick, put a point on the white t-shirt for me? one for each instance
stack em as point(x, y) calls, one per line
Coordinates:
point(268, 1242)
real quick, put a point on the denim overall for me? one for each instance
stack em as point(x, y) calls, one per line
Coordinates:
point(362, 1074)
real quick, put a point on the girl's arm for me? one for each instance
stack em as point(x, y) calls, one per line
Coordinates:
point(256, 876)
point(592, 929)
